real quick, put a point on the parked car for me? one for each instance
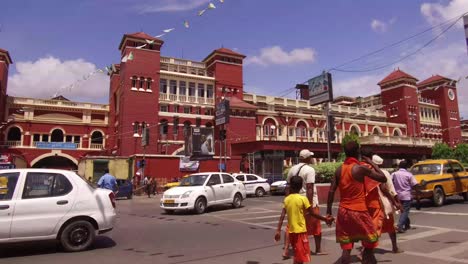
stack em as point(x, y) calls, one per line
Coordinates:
point(254, 184)
point(45, 204)
point(175, 183)
point(125, 189)
point(441, 178)
point(278, 187)
point(201, 190)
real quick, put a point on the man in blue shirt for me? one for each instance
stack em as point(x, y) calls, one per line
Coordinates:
point(107, 181)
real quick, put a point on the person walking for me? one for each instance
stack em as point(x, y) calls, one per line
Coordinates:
point(354, 222)
point(107, 181)
point(307, 173)
point(296, 207)
point(390, 202)
point(154, 186)
point(148, 184)
point(404, 182)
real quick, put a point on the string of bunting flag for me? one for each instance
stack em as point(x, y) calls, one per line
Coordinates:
point(129, 57)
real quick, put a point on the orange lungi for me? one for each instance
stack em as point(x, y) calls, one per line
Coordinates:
point(300, 244)
point(377, 215)
point(388, 225)
point(314, 226)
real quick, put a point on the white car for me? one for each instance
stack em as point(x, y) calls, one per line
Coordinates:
point(278, 187)
point(45, 204)
point(201, 190)
point(254, 185)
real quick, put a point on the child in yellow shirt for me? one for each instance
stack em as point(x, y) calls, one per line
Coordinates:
point(295, 206)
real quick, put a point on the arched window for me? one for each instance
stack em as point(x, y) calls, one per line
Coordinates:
point(376, 131)
point(301, 129)
point(354, 130)
point(148, 83)
point(164, 127)
point(269, 127)
point(396, 132)
point(134, 81)
point(97, 137)
point(142, 83)
point(56, 136)
point(14, 134)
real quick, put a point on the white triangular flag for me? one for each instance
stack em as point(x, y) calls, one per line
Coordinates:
point(124, 59)
point(168, 30)
point(186, 24)
point(211, 6)
point(149, 41)
point(142, 46)
point(159, 36)
point(130, 56)
point(200, 13)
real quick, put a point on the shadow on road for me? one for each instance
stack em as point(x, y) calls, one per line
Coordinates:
point(47, 247)
point(427, 203)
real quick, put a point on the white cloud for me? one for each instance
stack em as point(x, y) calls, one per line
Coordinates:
point(451, 63)
point(169, 5)
point(46, 76)
point(379, 26)
point(436, 13)
point(382, 26)
point(276, 55)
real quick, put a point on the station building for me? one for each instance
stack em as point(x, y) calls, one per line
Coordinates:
point(170, 96)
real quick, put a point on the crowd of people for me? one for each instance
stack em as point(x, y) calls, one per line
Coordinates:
point(369, 200)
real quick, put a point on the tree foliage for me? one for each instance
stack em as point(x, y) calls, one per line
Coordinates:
point(350, 137)
point(461, 153)
point(442, 151)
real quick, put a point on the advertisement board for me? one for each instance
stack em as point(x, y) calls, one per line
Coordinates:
point(222, 113)
point(188, 165)
point(320, 89)
point(201, 143)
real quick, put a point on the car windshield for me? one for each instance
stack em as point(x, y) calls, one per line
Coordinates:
point(426, 169)
point(194, 180)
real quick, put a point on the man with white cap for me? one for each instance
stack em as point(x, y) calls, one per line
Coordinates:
point(307, 173)
point(388, 197)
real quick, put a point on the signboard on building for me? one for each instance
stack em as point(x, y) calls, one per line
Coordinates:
point(55, 145)
point(222, 113)
point(320, 89)
point(201, 143)
point(186, 164)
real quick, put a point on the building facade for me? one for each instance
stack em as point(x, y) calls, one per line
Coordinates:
point(170, 96)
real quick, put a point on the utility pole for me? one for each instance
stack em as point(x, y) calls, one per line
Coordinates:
point(327, 114)
point(225, 148)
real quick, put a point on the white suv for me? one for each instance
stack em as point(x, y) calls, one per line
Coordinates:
point(44, 204)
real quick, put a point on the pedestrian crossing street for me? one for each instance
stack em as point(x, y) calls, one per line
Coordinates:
point(438, 243)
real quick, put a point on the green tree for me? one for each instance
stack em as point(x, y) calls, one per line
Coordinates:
point(442, 151)
point(461, 153)
point(347, 138)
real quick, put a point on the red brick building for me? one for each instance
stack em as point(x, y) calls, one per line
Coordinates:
point(170, 96)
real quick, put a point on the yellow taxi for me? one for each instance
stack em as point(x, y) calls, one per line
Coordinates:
point(441, 178)
point(169, 185)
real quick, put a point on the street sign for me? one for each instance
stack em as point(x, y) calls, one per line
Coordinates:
point(320, 89)
point(222, 113)
point(145, 137)
point(55, 145)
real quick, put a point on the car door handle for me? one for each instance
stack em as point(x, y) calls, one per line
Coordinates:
point(4, 207)
point(62, 202)
point(221, 186)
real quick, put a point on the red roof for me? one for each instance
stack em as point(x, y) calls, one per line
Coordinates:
point(225, 51)
point(396, 75)
point(235, 102)
point(432, 79)
point(139, 35)
point(10, 61)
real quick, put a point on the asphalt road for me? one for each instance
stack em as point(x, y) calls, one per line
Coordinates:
point(144, 234)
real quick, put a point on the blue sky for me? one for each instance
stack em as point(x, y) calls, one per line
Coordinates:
point(53, 43)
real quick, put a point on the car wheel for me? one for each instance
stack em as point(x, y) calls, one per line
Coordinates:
point(200, 205)
point(77, 236)
point(259, 192)
point(169, 212)
point(439, 196)
point(237, 201)
point(130, 196)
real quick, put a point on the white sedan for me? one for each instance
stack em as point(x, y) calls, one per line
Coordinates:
point(45, 204)
point(279, 187)
point(254, 185)
point(201, 190)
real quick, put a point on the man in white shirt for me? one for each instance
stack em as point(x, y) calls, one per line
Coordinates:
point(307, 173)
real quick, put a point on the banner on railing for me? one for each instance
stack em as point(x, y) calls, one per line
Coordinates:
point(55, 145)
